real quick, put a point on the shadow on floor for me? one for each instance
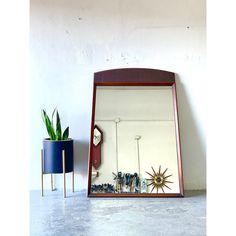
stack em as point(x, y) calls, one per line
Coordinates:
point(194, 193)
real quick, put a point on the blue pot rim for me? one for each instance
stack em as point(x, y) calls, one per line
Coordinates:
point(49, 140)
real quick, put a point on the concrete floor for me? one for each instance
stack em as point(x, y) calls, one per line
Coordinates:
point(82, 216)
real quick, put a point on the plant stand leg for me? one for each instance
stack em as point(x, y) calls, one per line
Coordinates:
point(64, 171)
point(73, 181)
point(42, 172)
point(51, 182)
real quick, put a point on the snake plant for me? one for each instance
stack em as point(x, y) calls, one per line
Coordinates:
point(54, 133)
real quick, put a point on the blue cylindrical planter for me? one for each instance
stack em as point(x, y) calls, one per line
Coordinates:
point(52, 156)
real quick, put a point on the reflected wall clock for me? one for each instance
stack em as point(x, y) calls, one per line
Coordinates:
point(97, 141)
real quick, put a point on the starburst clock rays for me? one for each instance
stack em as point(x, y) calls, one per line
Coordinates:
point(159, 180)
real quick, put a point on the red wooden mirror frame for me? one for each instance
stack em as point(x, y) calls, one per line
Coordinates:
point(135, 77)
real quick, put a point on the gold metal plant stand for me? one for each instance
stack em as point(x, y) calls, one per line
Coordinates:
point(64, 175)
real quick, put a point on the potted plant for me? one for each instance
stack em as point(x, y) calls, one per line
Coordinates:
point(56, 147)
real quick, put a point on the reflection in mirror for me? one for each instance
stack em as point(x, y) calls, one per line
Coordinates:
point(135, 149)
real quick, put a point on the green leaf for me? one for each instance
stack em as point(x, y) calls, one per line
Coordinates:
point(55, 109)
point(49, 126)
point(43, 113)
point(65, 134)
point(58, 128)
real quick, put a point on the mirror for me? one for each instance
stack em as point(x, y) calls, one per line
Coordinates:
point(134, 145)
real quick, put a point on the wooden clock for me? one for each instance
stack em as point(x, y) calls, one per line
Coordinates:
point(97, 142)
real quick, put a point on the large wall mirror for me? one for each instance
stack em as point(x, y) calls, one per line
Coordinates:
point(135, 146)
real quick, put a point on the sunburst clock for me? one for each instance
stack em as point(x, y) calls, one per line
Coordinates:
point(159, 180)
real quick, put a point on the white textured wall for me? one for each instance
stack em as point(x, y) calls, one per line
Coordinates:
point(72, 39)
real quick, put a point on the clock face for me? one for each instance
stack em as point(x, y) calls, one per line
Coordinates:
point(97, 136)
